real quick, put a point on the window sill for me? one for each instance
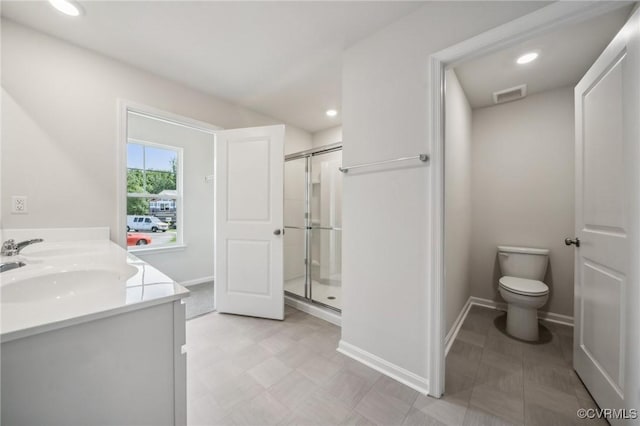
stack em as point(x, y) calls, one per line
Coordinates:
point(158, 250)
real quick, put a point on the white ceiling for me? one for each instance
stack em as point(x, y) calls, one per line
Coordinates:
point(565, 56)
point(279, 58)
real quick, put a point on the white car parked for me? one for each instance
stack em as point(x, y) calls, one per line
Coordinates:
point(145, 223)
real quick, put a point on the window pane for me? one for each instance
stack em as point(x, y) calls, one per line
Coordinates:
point(152, 218)
point(163, 206)
point(157, 182)
point(147, 227)
point(134, 156)
point(135, 181)
point(165, 210)
point(160, 159)
point(151, 170)
point(137, 206)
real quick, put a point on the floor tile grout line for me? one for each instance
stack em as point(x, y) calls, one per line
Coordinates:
point(475, 376)
point(564, 364)
point(326, 351)
point(524, 397)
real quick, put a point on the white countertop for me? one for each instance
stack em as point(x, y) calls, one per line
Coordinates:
point(67, 283)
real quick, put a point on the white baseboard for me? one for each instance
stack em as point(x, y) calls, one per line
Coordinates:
point(500, 306)
point(413, 380)
point(486, 303)
point(557, 318)
point(197, 281)
point(543, 315)
point(455, 328)
point(316, 311)
point(395, 372)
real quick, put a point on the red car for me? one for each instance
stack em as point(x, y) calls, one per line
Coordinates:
point(137, 239)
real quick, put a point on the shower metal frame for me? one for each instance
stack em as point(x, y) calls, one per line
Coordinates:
point(308, 228)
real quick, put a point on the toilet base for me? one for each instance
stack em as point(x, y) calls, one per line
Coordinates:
point(522, 322)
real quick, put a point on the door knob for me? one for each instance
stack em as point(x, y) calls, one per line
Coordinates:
point(277, 232)
point(569, 241)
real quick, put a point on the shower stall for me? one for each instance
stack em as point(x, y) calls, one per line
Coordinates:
point(313, 226)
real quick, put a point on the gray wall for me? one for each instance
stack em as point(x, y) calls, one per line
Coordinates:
point(523, 189)
point(326, 136)
point(60, 127)
point(457, 202)
point(386, 210)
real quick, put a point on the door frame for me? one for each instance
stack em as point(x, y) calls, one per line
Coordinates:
point(546, 19)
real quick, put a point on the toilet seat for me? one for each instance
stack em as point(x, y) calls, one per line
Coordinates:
point(523, 286)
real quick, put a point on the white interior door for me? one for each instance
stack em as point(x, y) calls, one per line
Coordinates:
point(607, 174)
point(249, 221)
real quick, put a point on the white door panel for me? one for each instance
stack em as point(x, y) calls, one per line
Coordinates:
point(249, 208)
point(606, 280)
point(603, 151)
point(248, 186)
point(252, 280)
point(602, 314)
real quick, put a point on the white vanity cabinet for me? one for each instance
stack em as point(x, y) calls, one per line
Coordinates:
point(125, 368)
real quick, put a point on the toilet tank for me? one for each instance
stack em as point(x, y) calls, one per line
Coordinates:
point(523, 262)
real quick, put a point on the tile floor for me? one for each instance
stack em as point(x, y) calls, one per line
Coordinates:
point(495, 380)
point(248, 371)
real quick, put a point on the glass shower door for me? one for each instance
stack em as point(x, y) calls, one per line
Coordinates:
point(325, 248)
point(295, 224)
point(313, 227)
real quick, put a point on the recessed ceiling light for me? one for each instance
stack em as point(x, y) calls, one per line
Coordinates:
point(332, 112)
point(527, 57)
point(68, 7)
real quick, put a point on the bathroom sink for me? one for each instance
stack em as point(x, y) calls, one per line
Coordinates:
point(37, 252)
point(64, 285)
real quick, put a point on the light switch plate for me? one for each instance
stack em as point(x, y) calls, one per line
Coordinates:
point(19, 204)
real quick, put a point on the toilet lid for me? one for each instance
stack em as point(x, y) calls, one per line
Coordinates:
point(524, 286)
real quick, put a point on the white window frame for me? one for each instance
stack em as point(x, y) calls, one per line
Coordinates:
point(124, 108)
point(178, 197)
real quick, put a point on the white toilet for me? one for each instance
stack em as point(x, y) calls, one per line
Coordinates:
point(522, 288)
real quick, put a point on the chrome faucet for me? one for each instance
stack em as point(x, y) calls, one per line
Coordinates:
point(11, 248)
point(4, 267)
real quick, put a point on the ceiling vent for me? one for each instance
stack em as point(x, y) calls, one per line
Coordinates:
point(508, 95)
